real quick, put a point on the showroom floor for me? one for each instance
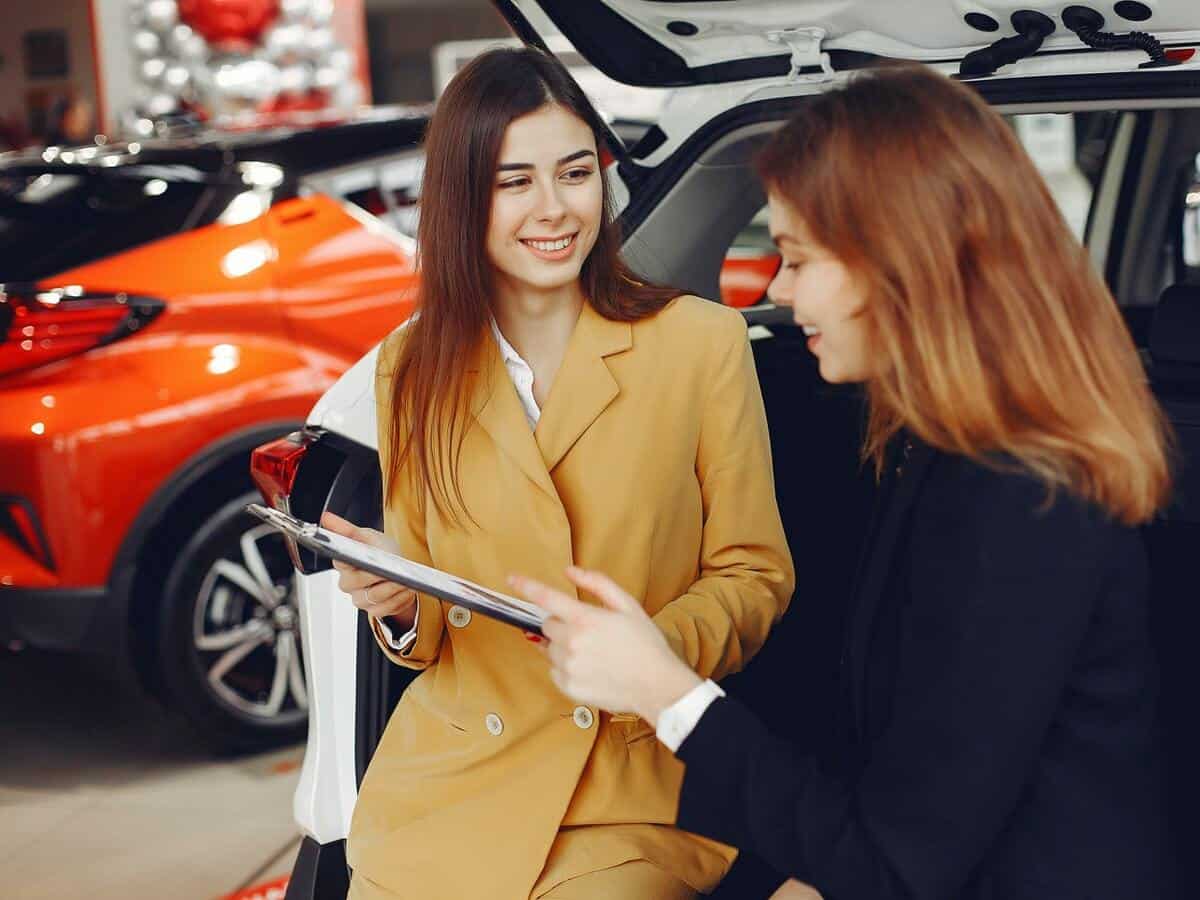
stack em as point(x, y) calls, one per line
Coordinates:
point(99, 798)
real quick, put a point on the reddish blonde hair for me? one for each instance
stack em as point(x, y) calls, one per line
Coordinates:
point(997, 336)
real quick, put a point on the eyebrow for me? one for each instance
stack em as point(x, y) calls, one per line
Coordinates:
point(570, 157)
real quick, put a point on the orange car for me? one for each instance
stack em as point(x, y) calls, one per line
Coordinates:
point(166, 308)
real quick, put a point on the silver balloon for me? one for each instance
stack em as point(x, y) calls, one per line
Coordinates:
point(176, 79)
point(326, 78)
point(160, 104)
point(295, 79)
point(282, 41)
point(318, 42)
point(152, 70)
point(162, 14)
point(341, 59)
point(348, 94)
point(294, 10)
point(246, 79)
point(204, 82)
point(320, 12)
point(147, 43)
point(187, 45)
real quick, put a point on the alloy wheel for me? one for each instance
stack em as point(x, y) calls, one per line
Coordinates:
point(246, 630)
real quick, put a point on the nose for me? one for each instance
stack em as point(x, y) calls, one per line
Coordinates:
point(550, 207)
point(779, 291)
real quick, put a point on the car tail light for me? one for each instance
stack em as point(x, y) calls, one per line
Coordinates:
point(41, 326)
point(274, 466)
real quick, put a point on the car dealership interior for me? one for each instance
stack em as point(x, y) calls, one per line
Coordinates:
point(217, 221)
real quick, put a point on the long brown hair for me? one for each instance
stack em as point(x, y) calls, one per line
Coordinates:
point(997, 338)
point(462, 149)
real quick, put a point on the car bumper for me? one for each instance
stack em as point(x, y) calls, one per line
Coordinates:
point(59, 618)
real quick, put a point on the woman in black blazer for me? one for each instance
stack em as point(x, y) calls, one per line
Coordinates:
point(997, 742)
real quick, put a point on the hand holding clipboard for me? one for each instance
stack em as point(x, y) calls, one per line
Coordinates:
point(379, 597)
point(385, 565)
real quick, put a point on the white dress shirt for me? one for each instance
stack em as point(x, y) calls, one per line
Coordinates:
point(521, 374)
point(676, 722)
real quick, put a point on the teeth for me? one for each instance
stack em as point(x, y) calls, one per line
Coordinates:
point(551, 246)
point(810, 330)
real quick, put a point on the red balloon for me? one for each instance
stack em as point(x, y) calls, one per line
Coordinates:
point(226, 20)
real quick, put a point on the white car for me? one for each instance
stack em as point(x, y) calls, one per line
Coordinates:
point(1122, 139)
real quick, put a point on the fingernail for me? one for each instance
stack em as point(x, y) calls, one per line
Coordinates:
point(533, 637)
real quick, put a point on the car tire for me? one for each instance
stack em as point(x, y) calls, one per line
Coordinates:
point(229, 650)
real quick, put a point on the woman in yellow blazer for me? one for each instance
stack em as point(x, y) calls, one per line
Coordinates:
point(600, 422)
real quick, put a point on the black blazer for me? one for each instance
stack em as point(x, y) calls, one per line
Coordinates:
point(999, 704)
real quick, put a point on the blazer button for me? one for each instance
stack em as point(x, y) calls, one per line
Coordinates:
point(459, 616)
point(495, 725)
point(583, 717)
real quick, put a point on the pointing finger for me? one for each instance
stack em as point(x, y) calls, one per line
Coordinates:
point(610, 593)
point(554, 602)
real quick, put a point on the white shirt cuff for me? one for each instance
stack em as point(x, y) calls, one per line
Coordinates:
point(402, 643)
point(676, 722)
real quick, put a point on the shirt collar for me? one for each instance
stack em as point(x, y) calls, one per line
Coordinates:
point(507, 352)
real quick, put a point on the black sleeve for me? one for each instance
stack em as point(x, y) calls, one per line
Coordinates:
point(1001, 591)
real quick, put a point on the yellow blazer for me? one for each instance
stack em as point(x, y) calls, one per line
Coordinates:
point(651, 462)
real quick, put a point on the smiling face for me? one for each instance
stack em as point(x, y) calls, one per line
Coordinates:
point(826, 299)
point(547, 204)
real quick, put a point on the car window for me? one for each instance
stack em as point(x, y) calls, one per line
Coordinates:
point(52, 221)
point(388, 188)
point(1069, 150)
point(750, 264)
point(1189, 228)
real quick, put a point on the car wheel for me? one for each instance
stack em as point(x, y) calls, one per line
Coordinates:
point(229, 643)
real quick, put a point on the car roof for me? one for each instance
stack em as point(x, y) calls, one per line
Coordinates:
point(298, 147)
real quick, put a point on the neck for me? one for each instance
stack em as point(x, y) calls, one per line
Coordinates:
point(539, 323)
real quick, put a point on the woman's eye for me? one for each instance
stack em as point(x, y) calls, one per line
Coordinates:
point(514, 183)
point(577, 174)
point(791, 266)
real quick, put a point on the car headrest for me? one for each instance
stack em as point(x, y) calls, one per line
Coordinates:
point(1175, 331)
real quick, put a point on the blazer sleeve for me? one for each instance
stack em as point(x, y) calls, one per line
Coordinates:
point(404, 522)
point(746, 576)
point(1002, 591)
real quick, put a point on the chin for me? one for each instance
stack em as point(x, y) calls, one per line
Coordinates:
point(833, 374)
point(550, 281)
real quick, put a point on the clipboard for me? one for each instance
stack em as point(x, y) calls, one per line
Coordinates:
point(390, 566)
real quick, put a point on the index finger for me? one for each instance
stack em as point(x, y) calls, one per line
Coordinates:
point(554, 602)
point(335, 523)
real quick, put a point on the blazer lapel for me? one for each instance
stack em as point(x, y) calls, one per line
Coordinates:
point(498, 410)
point(877, 565)
point(584, 386)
